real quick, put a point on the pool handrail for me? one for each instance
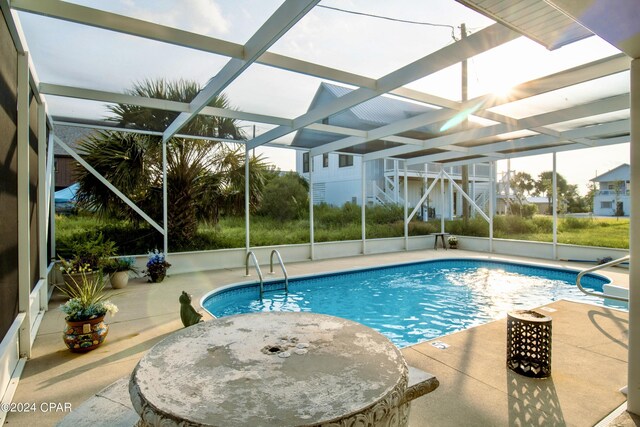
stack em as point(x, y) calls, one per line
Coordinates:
point(598, 267)
point(255, 263)
point(284, 270)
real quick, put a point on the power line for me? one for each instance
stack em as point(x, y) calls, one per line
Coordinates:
point(404, 21)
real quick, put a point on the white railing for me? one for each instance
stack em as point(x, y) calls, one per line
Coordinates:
point(613, 192)
point(383, 197)
point(598, 267)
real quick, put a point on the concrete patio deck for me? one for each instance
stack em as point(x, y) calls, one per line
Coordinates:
point(589, 355)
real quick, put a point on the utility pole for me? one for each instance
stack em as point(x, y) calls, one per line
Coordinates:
point(465, 168)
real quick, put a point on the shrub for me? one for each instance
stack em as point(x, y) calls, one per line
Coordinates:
point(525, 211)
point(543, 224)
point(285, 198)
point(420, 228)
point(476, 227)
point(384, 214)
point(328, 216)
point(131, 239)
point(91, 250)
point(512, 224)
point(571, 223)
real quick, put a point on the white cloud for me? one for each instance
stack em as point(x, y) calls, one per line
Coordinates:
point(198, 16)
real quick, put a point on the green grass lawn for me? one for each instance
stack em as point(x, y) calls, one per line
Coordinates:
point(609, 233)
point(230, 232)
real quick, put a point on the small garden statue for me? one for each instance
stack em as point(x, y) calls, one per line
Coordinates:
point(188, 314)
point(156, 266)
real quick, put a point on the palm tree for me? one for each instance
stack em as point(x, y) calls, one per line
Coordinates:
point(202, 176)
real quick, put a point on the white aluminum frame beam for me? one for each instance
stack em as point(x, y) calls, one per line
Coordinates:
point(602, 106)
point(548, 150)
point(633, 373)
point(285, 17)
point(103, 19)
point(424, 197)
point(114, 22)
point(144, 132)
point(165, 34)
point(493, 149)
point(110, 186)
point(181, 107)
point(24, 227)
point(43, 203)
point(466, 196)
point(587, 72)
point(483, 40)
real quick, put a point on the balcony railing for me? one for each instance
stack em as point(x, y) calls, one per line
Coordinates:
point(613, 193)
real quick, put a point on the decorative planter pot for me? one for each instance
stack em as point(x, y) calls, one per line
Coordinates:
point(85, 335)
point(157, 277)
point(77, 277)
point(119, 279)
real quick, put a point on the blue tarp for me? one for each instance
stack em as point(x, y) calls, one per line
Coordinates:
point(65, 199)
point(66, 195)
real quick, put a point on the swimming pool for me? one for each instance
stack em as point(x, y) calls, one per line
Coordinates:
point(413, 302)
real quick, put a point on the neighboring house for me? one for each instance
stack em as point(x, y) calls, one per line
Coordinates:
point(337, 176)
point(613, 192)
point(64, 164)
point(544, 207)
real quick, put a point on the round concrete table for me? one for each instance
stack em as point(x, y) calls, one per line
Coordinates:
point(274, 369)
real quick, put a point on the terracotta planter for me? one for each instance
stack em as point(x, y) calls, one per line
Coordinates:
point(85, 335)
point(119, 279)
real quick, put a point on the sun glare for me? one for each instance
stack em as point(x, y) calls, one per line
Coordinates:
point(502, 91)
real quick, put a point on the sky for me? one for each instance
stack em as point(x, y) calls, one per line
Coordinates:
point(72, 54)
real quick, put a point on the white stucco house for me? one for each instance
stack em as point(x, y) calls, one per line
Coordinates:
point(337, 176)
point(613, 192)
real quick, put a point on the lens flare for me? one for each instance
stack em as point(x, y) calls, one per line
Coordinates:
point(461, 116)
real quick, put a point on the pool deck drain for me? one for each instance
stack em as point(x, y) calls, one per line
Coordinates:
point(589, 363)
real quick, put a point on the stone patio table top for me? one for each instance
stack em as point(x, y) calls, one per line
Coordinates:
point(269, 369)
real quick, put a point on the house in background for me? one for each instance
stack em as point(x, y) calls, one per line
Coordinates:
point(64, 164)
point(613, 192)
point(337, 176)
point(545, 207)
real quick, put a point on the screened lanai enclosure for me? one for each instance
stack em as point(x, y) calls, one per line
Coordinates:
point(488, 80)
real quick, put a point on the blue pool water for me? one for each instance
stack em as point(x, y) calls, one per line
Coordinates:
point(414, 302)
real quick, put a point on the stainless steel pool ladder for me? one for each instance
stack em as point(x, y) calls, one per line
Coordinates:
point(251, 255)
point(284, 270)
point(598, 267)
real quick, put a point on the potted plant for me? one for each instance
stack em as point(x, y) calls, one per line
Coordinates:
point(118, 270)
point(156, 266)
point(86, 308)
point(75, 269)
point(89, 257)
point(453, 242)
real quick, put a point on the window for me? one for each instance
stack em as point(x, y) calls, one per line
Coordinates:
point(610, 186)
point(606, 205)
point(345, 160)
point(325, 160)
point(305, 162)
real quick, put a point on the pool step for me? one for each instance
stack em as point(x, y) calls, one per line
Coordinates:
point(614, 290)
